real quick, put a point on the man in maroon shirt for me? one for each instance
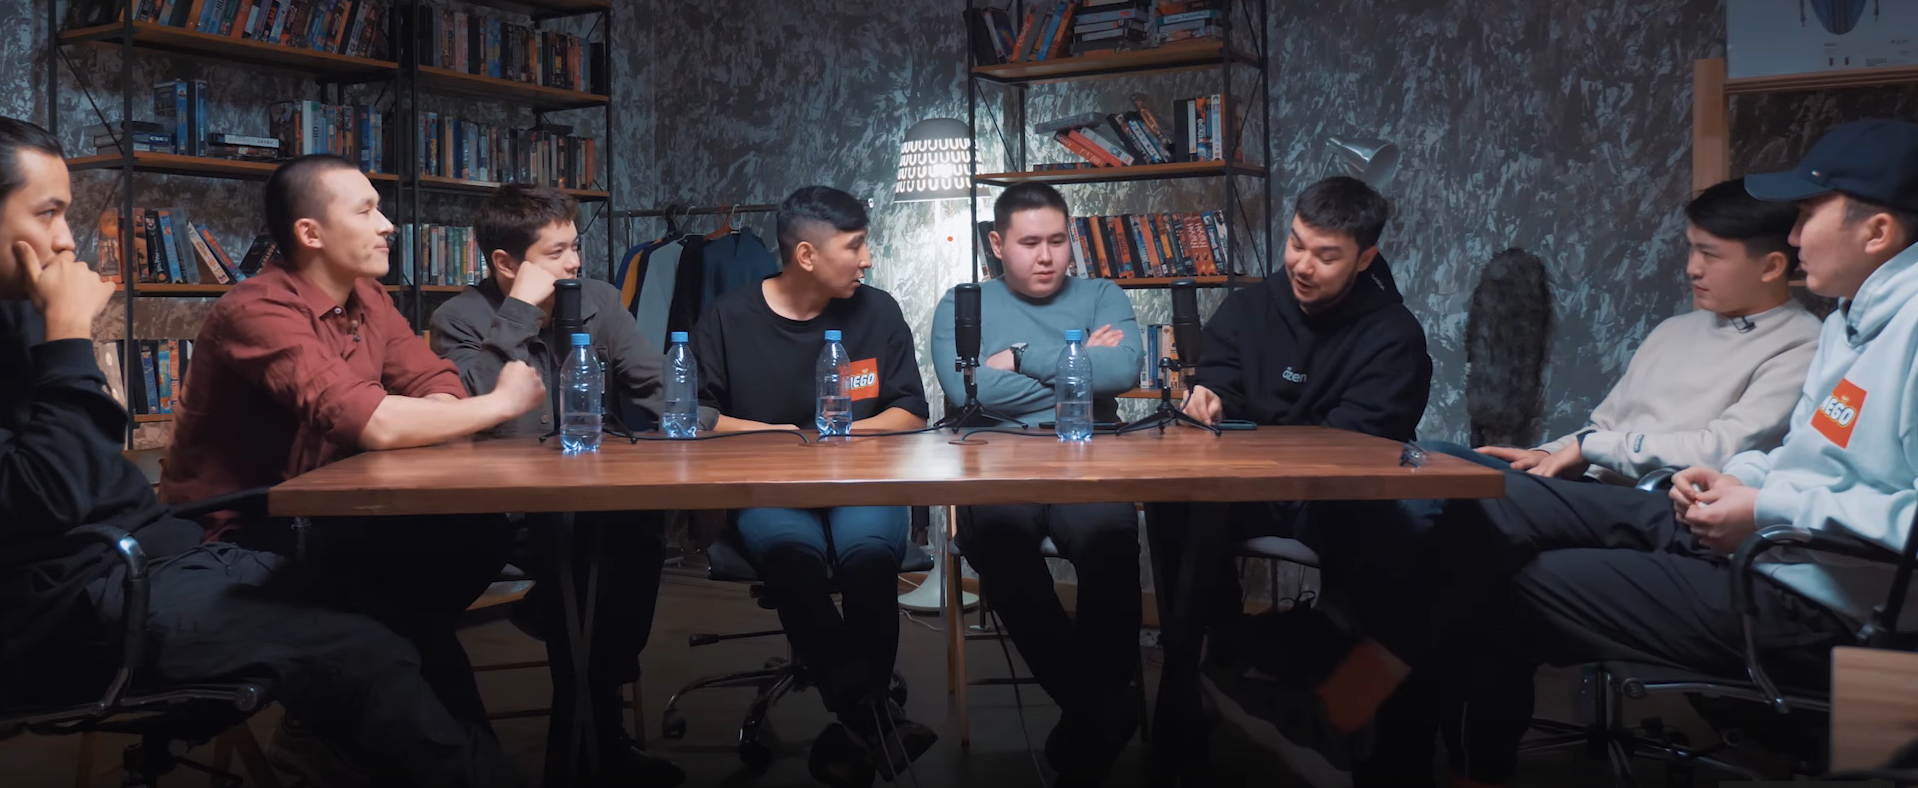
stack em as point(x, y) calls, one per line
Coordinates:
point(308, 362)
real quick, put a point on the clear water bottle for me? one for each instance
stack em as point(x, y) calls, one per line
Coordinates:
point(681, 419)
point(581, 383)
point(834, 373)
point(1072, 387)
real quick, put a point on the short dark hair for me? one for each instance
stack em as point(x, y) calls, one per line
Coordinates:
point(1344, 204)
point(812, 206)
point(1857, 210)
point(1025, 196)
point(16, 136)
point(1728, 211)
point(293, 193)
point(513, 216)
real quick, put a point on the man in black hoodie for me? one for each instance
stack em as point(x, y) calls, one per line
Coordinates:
point(209, 614)
point(1329, 344)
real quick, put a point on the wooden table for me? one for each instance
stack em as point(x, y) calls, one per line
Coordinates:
point(1178, 465)
point(1874, 705)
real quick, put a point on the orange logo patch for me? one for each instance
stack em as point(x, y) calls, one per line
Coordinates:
point(1838, 415)
point(865, 379)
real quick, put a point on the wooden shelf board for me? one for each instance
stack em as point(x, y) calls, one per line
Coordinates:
point(1196, 54)
point(1142, 172)
point(1159, 282)
point(427, 288)
point(1823, 80)
point(149, 418)
point(536, 96)
point(198, 166)
point(153, 35)
point(1149, 394)
point(175, 289)
point(547, 9)
point(482, 187)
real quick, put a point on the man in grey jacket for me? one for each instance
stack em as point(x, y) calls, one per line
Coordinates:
point(1085, 663)
point(531, 243)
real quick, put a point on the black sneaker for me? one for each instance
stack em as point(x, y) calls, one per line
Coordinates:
point(1084, 744)
point(837, 760)
point(890, 739)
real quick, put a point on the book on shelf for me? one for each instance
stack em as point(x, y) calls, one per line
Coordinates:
point(1133, 246)
point(344, 27)
point(1139, 136)
point(490, 46)
point(447, 255)
point(263, 250)
point(168, 248)
point(1158, 344)
point(474, 151)
point(160, 367)
point(296, 128)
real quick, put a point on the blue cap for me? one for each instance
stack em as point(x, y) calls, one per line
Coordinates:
point(680, 336)
point(832, 335)
point(1075, 335)
point(582, 339)
point(1872, 160)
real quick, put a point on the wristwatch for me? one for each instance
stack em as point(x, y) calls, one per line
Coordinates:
point(1018, 354)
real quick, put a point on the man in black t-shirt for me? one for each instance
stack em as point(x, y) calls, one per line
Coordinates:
point(757, 347)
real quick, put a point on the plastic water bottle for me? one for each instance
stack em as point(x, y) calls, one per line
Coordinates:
point(1072, 387)
point(581, 384)
point(834, 373)
point(681, 419)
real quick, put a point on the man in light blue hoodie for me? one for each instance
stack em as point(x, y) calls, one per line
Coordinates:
point(1564, 572)
point(1086, 662)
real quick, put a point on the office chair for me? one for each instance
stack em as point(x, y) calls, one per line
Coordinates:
point(1799, 713)
point(161, 715)
point(780, 676)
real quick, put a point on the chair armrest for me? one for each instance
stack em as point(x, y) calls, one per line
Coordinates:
point(250, 503)
point(133, 611)
point(1659, 479)
point(1743, 576)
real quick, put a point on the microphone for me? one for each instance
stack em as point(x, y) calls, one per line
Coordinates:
point(1743, 324)
point(566, 319)
point(965, 324)
point(1185, 326)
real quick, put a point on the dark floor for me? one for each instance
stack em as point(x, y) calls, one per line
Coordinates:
point(998, 756)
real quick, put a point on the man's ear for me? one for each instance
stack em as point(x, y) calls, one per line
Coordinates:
point(1366, 257)
point(306, 232)
point(1773, 267)
point(501, 261)
point(998, 244)
point(806, 256)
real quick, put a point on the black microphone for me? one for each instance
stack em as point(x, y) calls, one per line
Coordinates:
point(566, 319)
point(1185, 326)
point(965, 323)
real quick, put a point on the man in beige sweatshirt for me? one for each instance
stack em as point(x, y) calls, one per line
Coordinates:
point(1710, 383)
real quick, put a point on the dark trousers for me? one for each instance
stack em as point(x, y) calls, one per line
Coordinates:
point(219, 612)
point(803, 555)
point(1475, 594)
point(1080, 662)
point(632, 555)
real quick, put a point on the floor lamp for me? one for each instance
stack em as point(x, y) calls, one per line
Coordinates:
point(934, 166)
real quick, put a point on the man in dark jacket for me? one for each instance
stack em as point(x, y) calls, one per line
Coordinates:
point(212, 612)
point(532, 244)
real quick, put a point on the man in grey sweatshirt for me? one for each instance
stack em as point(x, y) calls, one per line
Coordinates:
point(1084, 663)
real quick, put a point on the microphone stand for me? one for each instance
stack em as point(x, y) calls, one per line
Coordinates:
point(1166, 413)
point(972, 409)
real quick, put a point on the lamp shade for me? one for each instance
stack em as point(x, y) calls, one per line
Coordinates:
point(1370, 160)
point(934, 162)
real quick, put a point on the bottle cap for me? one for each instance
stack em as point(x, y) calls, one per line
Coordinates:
point(680, 336)
point(582, 339)
point(1075, 335)
point(832, 335)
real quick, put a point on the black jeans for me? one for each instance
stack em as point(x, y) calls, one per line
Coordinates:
point(1080, 662)
point(1475, 594)
point(219, 612)
point(415, 574)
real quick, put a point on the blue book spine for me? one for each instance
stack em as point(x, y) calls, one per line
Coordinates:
point(147, 369)
point(173, 261)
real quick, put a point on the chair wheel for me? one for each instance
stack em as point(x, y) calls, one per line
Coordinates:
point(672, 724)
point(756, 756)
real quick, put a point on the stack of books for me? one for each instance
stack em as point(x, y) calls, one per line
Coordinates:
point(1110, 24)
point(489, 46)
point(167, 249)
point(1123, 139)
point(1186, 20)
point(451, 255)
point(344, 27)
point(357, 131)
point(1135, 246)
